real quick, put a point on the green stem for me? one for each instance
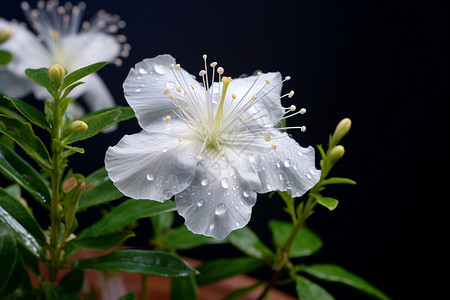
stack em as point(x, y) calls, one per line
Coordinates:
point(55, 175)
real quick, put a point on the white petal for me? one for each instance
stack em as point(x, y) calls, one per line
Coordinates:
point(14, 86)
point(96, 94)
point(218, 201)
point(151, 165)
point(289, 167)
point(267, 109)
point(145, 85)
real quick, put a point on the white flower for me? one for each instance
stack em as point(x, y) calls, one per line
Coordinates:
point(212, 145)
point(60, 40)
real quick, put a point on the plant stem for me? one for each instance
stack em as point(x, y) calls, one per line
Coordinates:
point(55, 175)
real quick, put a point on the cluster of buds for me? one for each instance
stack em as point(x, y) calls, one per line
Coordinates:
point(336, 151)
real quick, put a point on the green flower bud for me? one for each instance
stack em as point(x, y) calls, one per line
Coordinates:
point(336, 154)
point(56, 74)
point(78, 126)
point(341, 130)
point(5, 34)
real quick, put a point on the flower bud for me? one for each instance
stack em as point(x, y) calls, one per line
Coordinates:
point(5, 34)
point(69, 184)
point(56, 74)
point(78, 126)
point(341, 130)
point(336, 154)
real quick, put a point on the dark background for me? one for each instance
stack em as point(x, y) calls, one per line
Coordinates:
point(377, 62)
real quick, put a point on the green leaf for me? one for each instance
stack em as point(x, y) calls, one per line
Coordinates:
point(181, 238)
point(102, 191)
point(18, 170)
point(239, 293)
point(103, 242)
point(218, 269)
point(40, 76)
point(24, 136)
point(72, 282)
point(16, 279)
point(308, 290)
point(128, 296)
point(69, 89)
point(5, 57)
point(30, 112)
point(99, 121)
point(305, 243)
point(138, 261)
point(126, 213)
point(8, 255)
point(334, 273)
point(14, 212)
point(248, 242)
point(80, 73)
point(328, 202)
point(184, 288)
point(338, 180)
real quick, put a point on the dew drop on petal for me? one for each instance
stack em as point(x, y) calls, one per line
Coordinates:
point(237, 223)
point(142, 71)
point(246, 194)
point(137, 90)
point(224, 183)
point(165, 149)
point(299, 153)
point(268, 186)
point(211, 227)
point(167, 194)
point(220, 209)
point(308, 176)
point(159, 69)
point(200, 202)
point(204, 181)
point(287, 163)
point(278, 165)
point(170, 84)
point(150, 177)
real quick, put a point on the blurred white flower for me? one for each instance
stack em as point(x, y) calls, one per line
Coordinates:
point(61, 37)
point(213, 145)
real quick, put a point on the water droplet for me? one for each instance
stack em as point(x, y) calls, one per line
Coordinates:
point(209, 193)
point(308, 176)
point(268, 186)
point(204, 181)
point(137, 90)
point(246, 193)
point(236, 207)
point(224, 183)
point(200, 202)
point(143, 71)
point(170, 84)
point(287, 163)
point(150, 177)
point(299, 153)
point(220, 209)
point(312, 172)
point(252, 159)
point(278, 165)
point(237, 223)
point(211, 227)
point(159, 69)
point(165, 149)
point(167, 194)
point(139, 77)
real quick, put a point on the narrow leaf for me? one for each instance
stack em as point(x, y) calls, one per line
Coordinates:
point(12, 208)
point(248, 242)
point(126, 213)
point(72, 282)
point(328, 202)
point(5, 57)
point(13, 167)
point(102, 191)
point(218, 269)
point(99, 121)
point(40, 76)
point(308, 290)
point(181, 238)
point(334, 273)
point(103, 242)
point(24, 136)
point(184, 288)
point(80, 73)
point(8, 255)
point(338, 180)
point(305, 243)
point(138, 261)
point(30, 112)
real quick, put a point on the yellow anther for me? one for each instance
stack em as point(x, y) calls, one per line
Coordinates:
point(192, 87)
point(267, 81)
point(178, 89)
point(180, 140)
point(198, 157)
point(166, 91)
point(172, 96)
point(213, 64)
point(233, 96)
point(177, 67)
point(274, 146)
point(167, 119)
point(254, 97)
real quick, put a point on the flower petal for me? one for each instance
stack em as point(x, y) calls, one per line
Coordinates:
point(145, 85)
point(151, 165)
point(289, 167)
point(95, 93)
point(218, 201)
point(14, 86)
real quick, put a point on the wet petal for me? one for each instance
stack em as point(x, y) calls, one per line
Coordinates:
point(96, 94)
point(218, 201)
point(145, 85)
point(151, 165)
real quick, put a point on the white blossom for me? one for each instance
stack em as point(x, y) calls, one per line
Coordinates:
point(212, 145)
point(61, 38)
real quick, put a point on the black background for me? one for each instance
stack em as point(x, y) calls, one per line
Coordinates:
point(379, 63)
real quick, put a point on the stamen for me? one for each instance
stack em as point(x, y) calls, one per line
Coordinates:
point(293, 108)
point(291, 94)
point(266, 135)
point(166, 91)
point(303, 111)
point(167, 119)
point(220, 70)
point(198, 157)
point(274, 146)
